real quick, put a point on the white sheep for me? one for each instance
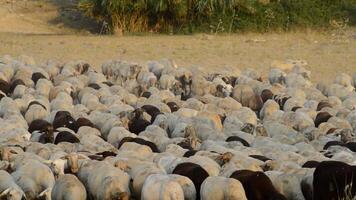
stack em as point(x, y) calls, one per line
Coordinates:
point(107, 182)
point(159, 186)
point(68, 187)
point(8, 188)
point(35, 179)
point(216, 187)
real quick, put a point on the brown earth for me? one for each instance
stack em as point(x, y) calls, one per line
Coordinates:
point(54, 30)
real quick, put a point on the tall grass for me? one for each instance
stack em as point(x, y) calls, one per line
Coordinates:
point(187, 16)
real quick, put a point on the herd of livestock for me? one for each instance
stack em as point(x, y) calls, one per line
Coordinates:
point(155, 131)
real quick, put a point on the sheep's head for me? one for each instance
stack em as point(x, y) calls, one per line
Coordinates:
point(152, 82)
point(6, 153)
point(226, 79)
point(346, 135)
point(49, 129)
point(57, 167)
point(220, 91)
point(138, 113)
point(134, 70)
point(189, 131)
point(45, 195)
point(248, 128)
point(225, 157)
point(72, 160)
point(85, 68)
point(124, 196)
point(12, 194)
point(177, 88)
point(4, 165)
point(261, 131)
point(191, 136)
point(269, 165)
point(122, 165)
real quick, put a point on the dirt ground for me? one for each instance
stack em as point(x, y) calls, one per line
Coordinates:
point(41, 29)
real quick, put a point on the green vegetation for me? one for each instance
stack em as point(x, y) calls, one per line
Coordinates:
point(188, 16)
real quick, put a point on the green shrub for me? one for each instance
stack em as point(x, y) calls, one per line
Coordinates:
point(187, 16)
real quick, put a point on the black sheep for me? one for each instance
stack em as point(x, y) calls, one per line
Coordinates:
point(257, 185)
point(65, 136)
point(259, 157)
point(39, 125)
point(36, 103)
point(321, 117)
point(153, 111)
point(84, 122)
point(238, 139)
point(194, 172)
point(65, 119)
point(108, 83)
point(146, 94)
point(141, 141)
point(189, 153)
point(173, 106)
point(266, 94)
point(94, 86)
point(37, 76)
point(310, 164)
point(138, 124)
point(5, 87)
point(323, 104)
point(15, 83)
point(330, 180)
point(185, 144)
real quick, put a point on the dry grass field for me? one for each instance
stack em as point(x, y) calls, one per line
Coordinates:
point(41, 29)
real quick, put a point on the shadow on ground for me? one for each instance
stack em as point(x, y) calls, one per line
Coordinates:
point(69, 16)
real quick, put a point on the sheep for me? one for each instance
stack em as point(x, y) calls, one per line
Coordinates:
point(257, 185)
point(138, 123)
point(158, 124)
point(35, 179)
point(107, 182)
point(68, 187)
point(8, 188)
point(276, 75)
point(194, 172)
point(139, 174)
point(167, 82)
point(158, 186)
point(220, 188)
point(36, 112)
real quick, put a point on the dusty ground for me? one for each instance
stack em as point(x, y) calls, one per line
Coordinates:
point(41, 29)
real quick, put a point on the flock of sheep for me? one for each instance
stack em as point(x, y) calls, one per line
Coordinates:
point(157, 131)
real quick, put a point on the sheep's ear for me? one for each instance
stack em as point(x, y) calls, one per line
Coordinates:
point(5, 192)
point(64, 157)
point(11, 166)
point(13, 152)
point(45, 193)
point(47, 162)
point(80, 156)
